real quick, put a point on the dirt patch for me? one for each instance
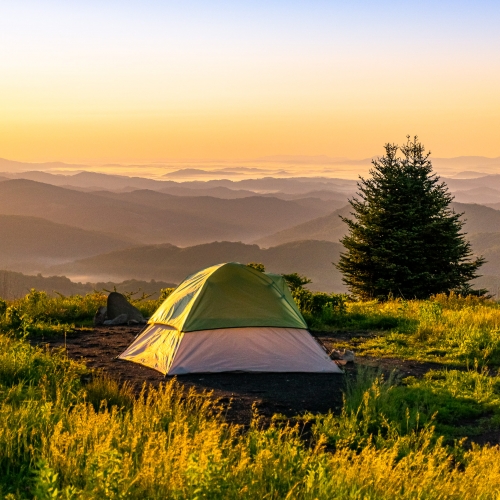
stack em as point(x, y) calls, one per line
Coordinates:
point(289, 394)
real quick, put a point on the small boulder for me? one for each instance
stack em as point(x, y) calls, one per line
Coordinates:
point(119, 320)
point(118, 305)
point(342, 357)
point(100, 316)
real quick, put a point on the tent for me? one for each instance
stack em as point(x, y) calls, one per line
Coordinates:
point(229, 317)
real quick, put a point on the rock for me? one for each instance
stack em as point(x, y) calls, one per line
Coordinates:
point(100, 316)
point(118, 305)
point(119, 320)
point(344, 356)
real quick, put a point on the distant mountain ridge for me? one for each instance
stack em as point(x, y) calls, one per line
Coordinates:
point(33, 242)
point(92, 180)
point(91, 218)
point(482, 195)
point(478, 219)
point(19, 166)
point(292, 185)
point(151, 216)
point(328, 228)
point(486, 181)
point(171, 263)
point(95, 180)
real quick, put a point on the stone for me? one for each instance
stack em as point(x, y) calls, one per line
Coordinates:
point(118, 305)
point(100, 316)
point(344, 356)
point(119, 320)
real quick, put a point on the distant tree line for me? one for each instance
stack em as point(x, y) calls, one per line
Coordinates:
point(14, 285)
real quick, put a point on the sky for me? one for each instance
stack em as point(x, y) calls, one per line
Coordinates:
point(153, 81)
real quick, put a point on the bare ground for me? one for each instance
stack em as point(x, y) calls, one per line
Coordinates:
point(289, 394)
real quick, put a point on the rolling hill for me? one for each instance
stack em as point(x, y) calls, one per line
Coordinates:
point(290, 185)
point(171, 263)
point(151, 217)
point(495, 206)
point(31, 243)
point(481, 195)
point(487, 245)
point(478, 219)
point(217, 192)
point(253, 212)
point(112, 182)
point(93, 180)
point(328, 227)
point(323, 201)
point(486, 181)
point(483, 242)
point(19, 166)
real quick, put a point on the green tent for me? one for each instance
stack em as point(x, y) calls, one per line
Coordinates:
point(229, 317)
point(227, 296)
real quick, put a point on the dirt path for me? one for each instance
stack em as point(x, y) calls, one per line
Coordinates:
point(289, 394)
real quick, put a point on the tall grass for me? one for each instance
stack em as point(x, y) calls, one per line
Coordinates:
point(456, 404)
point(38, 313)
point(62, 439)
point(446, 328)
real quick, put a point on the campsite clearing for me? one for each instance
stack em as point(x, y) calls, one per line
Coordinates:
point(288, 394)
point(423, 428)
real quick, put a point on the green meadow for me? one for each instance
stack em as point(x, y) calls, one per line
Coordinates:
point(64, 437)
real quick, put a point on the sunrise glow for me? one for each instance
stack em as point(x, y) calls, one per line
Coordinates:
point(158, 81)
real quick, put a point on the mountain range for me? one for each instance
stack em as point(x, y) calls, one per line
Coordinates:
point(171, 263)
point(109, 228)
point(14, 285)
point(31, 243)
point(152, 217)
point(478, 219)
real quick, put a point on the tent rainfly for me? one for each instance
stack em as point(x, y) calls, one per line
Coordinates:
point(229, 317)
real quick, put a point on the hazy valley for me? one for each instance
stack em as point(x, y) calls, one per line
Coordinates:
point(94, 227)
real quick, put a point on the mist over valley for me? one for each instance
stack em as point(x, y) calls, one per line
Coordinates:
point(109, 228)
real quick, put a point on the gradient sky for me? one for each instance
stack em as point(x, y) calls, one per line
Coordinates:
point(138, 81)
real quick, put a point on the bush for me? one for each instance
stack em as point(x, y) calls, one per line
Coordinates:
point(37, 313)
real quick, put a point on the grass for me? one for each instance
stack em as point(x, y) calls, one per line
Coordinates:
point(449, 330)
point(67, 432)
point(456, 404)
point(39, 314)
point(62, 439)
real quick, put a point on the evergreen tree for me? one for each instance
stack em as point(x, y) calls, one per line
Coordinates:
point(405, 240)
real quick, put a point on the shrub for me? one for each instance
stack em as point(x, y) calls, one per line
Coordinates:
point(37, 313)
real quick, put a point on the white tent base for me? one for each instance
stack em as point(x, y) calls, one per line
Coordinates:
point(253, 349)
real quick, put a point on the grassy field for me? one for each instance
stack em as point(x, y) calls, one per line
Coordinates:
point(67, 434)
point(449, 330)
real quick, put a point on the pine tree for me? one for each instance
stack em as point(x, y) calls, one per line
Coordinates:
point(404, 239)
